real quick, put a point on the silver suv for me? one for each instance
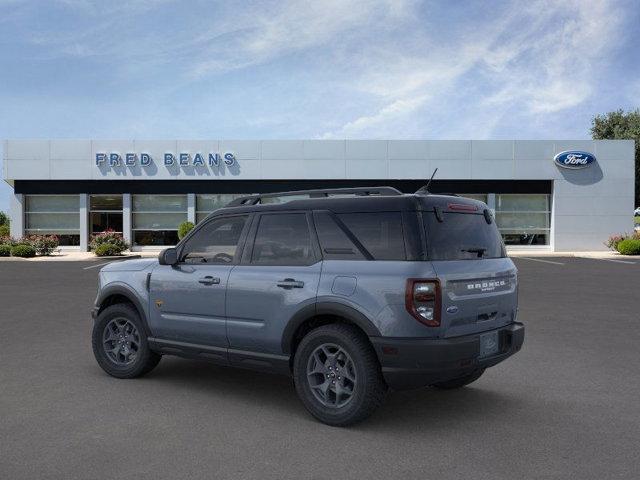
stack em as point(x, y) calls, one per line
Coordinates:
point(349, 291)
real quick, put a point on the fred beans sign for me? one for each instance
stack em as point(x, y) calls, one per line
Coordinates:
point(169, 159)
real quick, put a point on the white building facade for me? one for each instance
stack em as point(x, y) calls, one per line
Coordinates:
point(552, 195)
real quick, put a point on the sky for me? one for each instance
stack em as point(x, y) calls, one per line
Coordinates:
point(286, 69)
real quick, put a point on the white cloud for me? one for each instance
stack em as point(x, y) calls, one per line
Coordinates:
point(390, 64)
point(541, 57)
point(396, 109)
point(552, 65)
point(293, 26)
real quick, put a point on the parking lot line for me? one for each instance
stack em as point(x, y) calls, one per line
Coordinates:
point(98, 265)
point(613, 260)
point(540, 260)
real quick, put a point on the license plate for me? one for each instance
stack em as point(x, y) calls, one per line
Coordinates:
point(489, 344)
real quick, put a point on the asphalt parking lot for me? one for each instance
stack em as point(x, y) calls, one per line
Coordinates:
point(567, 406)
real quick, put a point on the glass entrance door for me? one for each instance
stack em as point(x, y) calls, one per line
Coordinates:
point(106, 213)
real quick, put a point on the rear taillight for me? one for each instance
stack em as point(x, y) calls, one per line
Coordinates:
point(462, 207)
point(422, 299)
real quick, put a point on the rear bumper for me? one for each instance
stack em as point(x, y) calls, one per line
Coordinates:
point(413, 363)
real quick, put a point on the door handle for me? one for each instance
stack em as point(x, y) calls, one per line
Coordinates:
point(289, 283)
point(209, 280)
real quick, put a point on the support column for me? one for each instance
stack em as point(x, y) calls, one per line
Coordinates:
point(552, 220)
point(491, 202)
point(84, 222)
point(17, 215)
point(191, 207)
point(126, 219)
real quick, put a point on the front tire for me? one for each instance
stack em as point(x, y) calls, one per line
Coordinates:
point(337, 375)
point(120, 343)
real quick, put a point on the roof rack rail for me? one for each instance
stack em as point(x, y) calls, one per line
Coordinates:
point(423, 192)
point(319, 193)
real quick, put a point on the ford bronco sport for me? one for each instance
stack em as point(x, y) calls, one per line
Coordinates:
point(349, 291)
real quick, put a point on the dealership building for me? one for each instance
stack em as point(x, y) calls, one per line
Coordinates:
point(553, 195)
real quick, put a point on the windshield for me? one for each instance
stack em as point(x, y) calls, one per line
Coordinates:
point(462, 236)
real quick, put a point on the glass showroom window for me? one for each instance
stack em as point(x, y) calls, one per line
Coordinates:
point(54, 215)
point(156, 218)
point(106, 213)
point(205, 204)
point(524, 219)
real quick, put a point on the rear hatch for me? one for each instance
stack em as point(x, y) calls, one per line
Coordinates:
point(477, 280)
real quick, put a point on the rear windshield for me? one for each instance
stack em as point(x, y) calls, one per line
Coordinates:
point(462, 236)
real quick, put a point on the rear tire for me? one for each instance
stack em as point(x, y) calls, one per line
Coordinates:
point(337, 375)
point(460, 381)
point(120, 344)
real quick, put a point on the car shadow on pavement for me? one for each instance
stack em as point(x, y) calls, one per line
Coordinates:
point(407, 410)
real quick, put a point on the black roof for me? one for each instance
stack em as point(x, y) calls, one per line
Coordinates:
point(357, 203)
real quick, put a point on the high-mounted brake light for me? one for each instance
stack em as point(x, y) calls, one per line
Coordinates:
point(422, 300)
point(462, 207)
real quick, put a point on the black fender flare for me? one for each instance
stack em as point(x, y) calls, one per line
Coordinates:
point(326, 308)
point(129, 294)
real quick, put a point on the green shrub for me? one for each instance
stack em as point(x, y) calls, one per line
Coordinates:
point(108, 237)
point(4, 219)
point(4, 231)
point(5, 250)
point(23, 250)
point(184, 228)
point(630, 246)
point(108, 250)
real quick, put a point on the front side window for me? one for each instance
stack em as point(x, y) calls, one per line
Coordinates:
point(380, 233)
point(283, 239)
point(216, 242)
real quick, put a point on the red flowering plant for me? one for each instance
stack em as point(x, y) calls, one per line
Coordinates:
point(43, 244)
point(115, 242)
point(613, 241)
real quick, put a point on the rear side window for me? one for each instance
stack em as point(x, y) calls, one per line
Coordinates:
point(380, 233)
point(334, 242)
point(462, 236)
point(283, 239)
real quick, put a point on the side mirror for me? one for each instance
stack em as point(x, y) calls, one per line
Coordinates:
point(168, 256)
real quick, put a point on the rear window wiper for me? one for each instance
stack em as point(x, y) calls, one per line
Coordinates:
point(479, 250)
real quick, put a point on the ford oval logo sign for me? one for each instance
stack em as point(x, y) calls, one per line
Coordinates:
point(574, 159)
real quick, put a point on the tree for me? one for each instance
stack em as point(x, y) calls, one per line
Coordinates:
point(4, 225)
point(620, 125)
